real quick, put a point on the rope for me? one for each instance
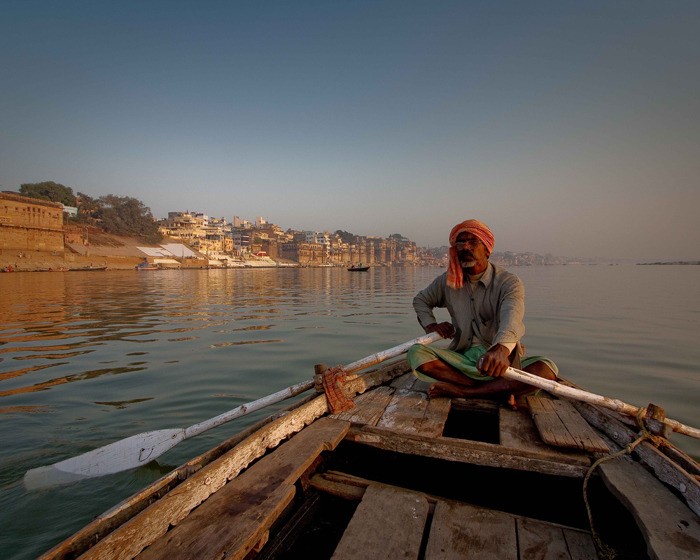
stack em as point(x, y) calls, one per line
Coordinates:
point(605, 551)
point(333, 380)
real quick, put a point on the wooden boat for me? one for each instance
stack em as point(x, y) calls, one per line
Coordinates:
point(145, 266)
point(88, 268)
point(355, 268)
point(400, 475)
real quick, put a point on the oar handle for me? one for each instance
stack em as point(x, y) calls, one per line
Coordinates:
point(600, 400)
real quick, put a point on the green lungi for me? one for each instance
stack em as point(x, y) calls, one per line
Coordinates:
point(464, 362)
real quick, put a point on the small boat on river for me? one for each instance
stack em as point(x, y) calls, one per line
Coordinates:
point(90, 268)
point(369, 467)
point(358, 268)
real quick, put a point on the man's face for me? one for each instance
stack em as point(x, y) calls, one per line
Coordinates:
point(472, 253)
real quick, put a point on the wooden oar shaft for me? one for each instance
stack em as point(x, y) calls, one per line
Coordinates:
point(247, 408)
point(390, 353)
point(600, 400)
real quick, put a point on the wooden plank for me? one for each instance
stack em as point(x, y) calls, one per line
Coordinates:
point(234, 520)
point(387, 524)
point(369, 407)
point(517, 430)
point(111, 519)
point(666, 469)
point(671, 530)
point(561, 425)
point(580, 545)
point(405, 381)
point(436, 413)
point(464, 532)
point(541, 541)
point(405, 412)
point(140, 531)
point(465, 451)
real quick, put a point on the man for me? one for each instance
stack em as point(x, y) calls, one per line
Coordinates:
point(486, 305)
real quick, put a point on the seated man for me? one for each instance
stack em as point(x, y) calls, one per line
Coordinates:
point(487, 305)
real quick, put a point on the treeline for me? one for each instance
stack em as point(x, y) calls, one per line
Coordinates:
point(118, 215)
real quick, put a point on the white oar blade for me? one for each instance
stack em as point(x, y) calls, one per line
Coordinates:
point(119, 456)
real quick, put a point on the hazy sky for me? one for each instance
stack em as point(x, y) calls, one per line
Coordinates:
point(571, 128)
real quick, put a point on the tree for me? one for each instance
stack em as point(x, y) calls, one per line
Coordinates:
point(124, 215)
point(48, 190)
point(89, 209)
point(345, 236)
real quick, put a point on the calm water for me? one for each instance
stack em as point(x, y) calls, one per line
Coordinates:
point(87, 358)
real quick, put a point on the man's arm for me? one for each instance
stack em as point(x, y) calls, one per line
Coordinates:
point(428, 299)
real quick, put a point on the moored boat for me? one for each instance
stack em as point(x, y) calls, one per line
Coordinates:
point(369, 467)
point(90, 268)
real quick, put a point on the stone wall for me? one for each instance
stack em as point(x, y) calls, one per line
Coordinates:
point(30, 224)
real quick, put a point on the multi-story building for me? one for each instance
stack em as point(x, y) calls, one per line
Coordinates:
point(30, 224)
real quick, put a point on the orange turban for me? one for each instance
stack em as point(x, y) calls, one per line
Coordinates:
point(477, 229)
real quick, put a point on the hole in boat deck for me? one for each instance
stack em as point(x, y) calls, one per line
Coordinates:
point(475, 425)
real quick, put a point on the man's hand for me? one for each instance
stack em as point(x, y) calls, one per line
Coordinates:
point(445, 329)
point(495, 362)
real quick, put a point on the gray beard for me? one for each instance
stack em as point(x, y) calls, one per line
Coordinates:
point(467, 264)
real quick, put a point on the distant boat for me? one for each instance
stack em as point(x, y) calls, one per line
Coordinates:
point(88, 268)
point(358, 268)
point(146, 266)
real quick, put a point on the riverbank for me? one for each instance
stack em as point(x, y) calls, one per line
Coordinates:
point(114, 252)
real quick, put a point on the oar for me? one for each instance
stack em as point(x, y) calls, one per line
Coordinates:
point(142, 448)
point(580, 395)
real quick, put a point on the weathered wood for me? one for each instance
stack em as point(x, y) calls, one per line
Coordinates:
point(412, 412)
point(473, 452)
point(671, 530)
point(233, 521)
point(464, 532)
point(140, 531)
point(577, 394)
point(540, 540)
point(359, 383)
point(388, 523)
point(580, 544)
point(517, 430)
point(559, 424)
point(405, 412)
point(665, 468)
point(114, 517)
point(405, 381)
point(369, 407)
point(436, 413)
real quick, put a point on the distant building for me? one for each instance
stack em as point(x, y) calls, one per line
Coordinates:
point(30, 224)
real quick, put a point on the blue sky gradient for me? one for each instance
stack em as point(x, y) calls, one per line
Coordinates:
point(571, 128)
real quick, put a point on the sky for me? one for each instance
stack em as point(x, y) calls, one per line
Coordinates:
point(570, 128)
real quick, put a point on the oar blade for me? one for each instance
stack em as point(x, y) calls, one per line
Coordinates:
point(119, 456)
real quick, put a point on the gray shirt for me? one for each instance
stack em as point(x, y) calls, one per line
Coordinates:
point(488, 312)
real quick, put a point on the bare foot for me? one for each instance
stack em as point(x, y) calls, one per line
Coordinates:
point(441, 389)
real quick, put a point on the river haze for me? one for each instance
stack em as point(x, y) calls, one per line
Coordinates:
point(87, 358)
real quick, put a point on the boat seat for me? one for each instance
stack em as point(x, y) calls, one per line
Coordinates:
point(561, 425)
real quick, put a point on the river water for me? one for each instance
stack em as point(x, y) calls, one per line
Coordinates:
point(87, 358)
